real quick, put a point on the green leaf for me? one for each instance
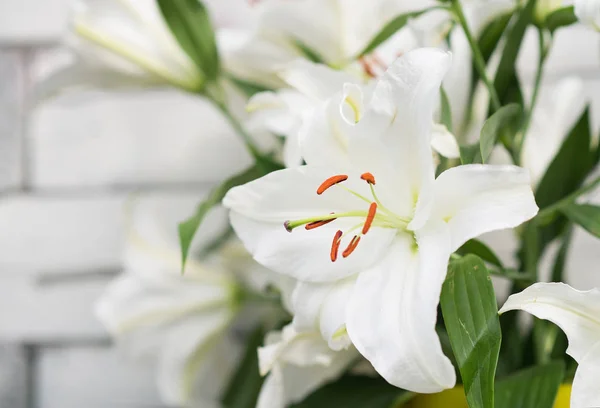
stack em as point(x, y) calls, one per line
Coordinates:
point(491, 34)
point(470, 154)
point(480, 249)
point(534, 387)
point(471, 317)
point(562, 17)
point(565, 174)
point(248, 88)
point(390, 29)
point(585, 215)
point(308, 53)
point(506, 78)
point(446, 111)
point(188, 228)
point(244, 386)
point(356, 392)
point(190, 24)
point(505, 117)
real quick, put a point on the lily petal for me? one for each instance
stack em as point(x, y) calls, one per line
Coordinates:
point(475, 199)
point(260, 208)
point(392, 313)
point(316, 81)
point(444, 142)
point(322, 306)
point(299, 364)
point(575, 312)
point(585, 392)
point(401, 111)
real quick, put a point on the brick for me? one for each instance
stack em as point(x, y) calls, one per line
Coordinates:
point(49, 234)
point(114, 139)
point(11, 116)
point(93, 378)
point(33, 311)
point(33, 21)
point(13, 376)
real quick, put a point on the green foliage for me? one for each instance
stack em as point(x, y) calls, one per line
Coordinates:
point(188, 228)
point(562, 17)
point(506, 82)
point(470, 154)
point(356, 392)
point(190, 24)
point(481, 250)
point(504, 118)
point(446, 111)
point(309, 53)
point(585, 215)
point(244, 386)
point(389, 30)
point(534, 387)
point(471, 317)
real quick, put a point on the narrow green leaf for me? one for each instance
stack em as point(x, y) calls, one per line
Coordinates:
point(244, 386)
point(446, 110)
point(190, 24)
point(248, 88)
point(562, 17)
point(480, 249)
point(491, 34)
point(585, 215)
point(506, 79)
point(565, 174)
point(534, 387)
point(470, 154)
point(308, 53)
point(471, 317)
point(505, 117)
point(188, 228)
point(390, 29)
point(353, 391)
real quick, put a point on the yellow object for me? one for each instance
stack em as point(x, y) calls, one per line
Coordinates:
point(455, 398)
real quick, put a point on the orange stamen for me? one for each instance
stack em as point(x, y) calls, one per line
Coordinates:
point(335, 246)
point(370, 218)
point(351, 246)
point(368, 177)
point(331, 181)
point(367, 67)
point(316, 224)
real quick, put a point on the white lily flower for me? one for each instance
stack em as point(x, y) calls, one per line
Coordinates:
point(371, 228)
point(335, 30)
point(577, 314)
point(588, 12)
point(183, 323)
point(283, 112)
point(123, 43)
point(297, 364)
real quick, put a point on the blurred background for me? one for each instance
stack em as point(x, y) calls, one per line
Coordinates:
point(69, 166)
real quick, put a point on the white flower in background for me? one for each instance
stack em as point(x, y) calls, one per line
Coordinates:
point(123, 43)
point(335, 30)
point(312, 85)
point(297, 364)
point(578, 315)
point(588, 12)
point(182, 323)
point(554, 116)
point(543, 8)
point(371, 228)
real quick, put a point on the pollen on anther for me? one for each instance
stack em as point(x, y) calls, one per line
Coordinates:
point(335, 245)
point(331, 181)
point(368, 177)
point(351, 246)
point(370, 218)
point(316, 224)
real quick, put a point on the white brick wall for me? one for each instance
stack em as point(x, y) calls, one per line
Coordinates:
point(67, 169)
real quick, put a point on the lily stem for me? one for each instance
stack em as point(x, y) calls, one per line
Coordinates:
point(236, 124)
point(552, 209)
point(477, 56)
